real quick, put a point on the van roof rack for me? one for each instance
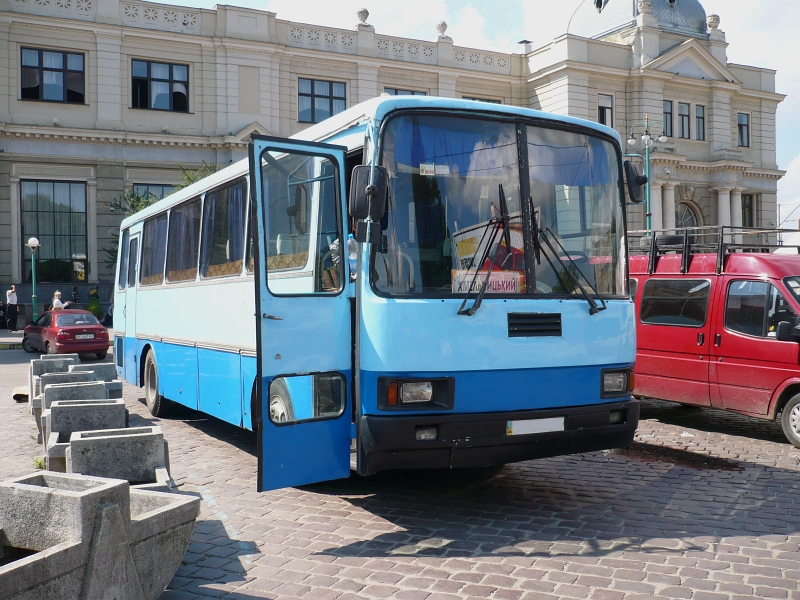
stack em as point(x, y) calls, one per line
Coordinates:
point(721, 240)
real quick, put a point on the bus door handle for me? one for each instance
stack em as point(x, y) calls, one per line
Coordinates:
point(701, 339)
point(273, 317)
point(718, 340)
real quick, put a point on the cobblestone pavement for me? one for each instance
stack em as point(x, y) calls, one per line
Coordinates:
point(706, 505)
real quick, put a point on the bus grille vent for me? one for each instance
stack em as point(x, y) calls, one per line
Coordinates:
point(534, 325)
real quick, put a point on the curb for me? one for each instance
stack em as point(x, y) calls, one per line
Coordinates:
point(11, 346)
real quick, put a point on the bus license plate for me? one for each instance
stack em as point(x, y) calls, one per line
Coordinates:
point(534, 426)
point(84, 336)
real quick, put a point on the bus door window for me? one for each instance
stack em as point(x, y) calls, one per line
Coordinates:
point(297, 398)
point(123, 259)
point(222, 251)
point(304, 246)
point(133, 255)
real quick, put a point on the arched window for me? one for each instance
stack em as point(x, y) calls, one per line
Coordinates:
point(685, 216)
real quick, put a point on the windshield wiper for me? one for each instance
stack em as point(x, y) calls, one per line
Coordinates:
point(544, 235)
point(490, 252)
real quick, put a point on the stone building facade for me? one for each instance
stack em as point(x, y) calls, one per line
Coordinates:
point(98, 96)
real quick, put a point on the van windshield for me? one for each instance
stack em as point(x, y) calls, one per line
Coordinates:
point(456, 205)
point(793, 285)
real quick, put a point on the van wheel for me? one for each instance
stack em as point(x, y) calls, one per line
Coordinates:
point(155, 401)
point(280, 403)
point(790, 420)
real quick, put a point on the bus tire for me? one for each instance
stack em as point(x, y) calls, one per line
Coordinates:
point(156, 403)
point(280, 402)
point(790, 420)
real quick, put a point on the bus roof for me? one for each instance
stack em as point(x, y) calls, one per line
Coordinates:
point(375, 109)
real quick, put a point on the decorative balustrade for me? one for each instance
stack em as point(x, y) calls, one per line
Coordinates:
point(174, 18)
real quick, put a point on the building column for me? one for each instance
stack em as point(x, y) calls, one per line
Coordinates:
point(656, 209)
point(736, 213)
point(669, 205)
point(447, 86)
point(724, 208)
point(91, 230)
point(16, 231)
point(367, 82)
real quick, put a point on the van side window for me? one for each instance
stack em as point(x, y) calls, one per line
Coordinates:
point(755, 308)
point(154, 250)
point(222, 252)
point(184, 241)
point(681, 302)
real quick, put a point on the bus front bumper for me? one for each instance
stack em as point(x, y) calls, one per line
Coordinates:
point(483, 439)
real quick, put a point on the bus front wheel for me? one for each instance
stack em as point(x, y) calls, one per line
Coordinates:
point(280, 403)
point(155, 401)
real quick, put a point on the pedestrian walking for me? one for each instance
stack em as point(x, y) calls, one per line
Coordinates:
point(57, 303)
point(11, 308)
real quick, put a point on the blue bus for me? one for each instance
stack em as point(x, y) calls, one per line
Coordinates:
point(416, 282)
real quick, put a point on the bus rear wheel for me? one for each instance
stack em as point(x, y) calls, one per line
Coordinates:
point(280, 403)
point(156, 403)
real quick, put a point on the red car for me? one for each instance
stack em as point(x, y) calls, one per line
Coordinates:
point(64, 331)
point(720, 331)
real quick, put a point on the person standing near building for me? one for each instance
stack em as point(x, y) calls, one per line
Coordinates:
point(76, 295)
point(11, 308)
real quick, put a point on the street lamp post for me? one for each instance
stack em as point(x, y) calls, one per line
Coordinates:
point(647, 137)
point(33, 244)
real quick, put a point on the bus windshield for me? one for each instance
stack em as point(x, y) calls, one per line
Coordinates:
point(454, 215)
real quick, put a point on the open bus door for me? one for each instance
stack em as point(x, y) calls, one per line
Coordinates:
point(303, 313)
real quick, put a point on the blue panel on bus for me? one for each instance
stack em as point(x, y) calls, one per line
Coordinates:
point(130, 359)
point(249, 368)
point(177, 370)
point(321, 457)
point(220, 386)
point(505, 390)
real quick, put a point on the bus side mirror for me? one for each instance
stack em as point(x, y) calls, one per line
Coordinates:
point(368, 201)
point(636, 182)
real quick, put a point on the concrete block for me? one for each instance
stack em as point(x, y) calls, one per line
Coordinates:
point(102, 371)
point(55, 456)
point(72, 536)
point(93, 390)
point(133, 454)
point(50, 363)
point(114, 389)
point(68, 416)
point(40, 381)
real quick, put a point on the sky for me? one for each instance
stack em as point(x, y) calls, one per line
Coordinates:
point(762, 33)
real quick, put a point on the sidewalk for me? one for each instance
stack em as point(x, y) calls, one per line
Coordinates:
point(13, 341)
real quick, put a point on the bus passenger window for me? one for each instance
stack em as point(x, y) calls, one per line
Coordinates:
point(133, 255)
point(223, 231)
point(184, 241)
point(123, 259)
point(154, 250)
point(304, 242)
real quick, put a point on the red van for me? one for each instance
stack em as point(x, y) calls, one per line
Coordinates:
point(719, 330)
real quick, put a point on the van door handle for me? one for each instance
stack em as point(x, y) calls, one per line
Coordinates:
point(701, 339)
point(718, 340)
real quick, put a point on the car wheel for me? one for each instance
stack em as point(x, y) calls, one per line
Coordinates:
point(790, 420)
point(49, 348)
point(101, 355)
point(26, 345)
point(156, 403)
point(280, 403)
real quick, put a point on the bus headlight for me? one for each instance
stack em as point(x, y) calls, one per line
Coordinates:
point(416, 392)
point(615, 382)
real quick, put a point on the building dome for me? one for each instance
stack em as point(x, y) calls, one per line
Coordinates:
point(600, 18)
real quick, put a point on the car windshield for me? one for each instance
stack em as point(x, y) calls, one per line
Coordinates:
point(68, 320)
point(455, 209)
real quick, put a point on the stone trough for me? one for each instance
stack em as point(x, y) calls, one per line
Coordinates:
point(49, 363)
point(106, 372)
point(133, 454)
point(73, 536)
point(65, 417)
point(90, 390)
